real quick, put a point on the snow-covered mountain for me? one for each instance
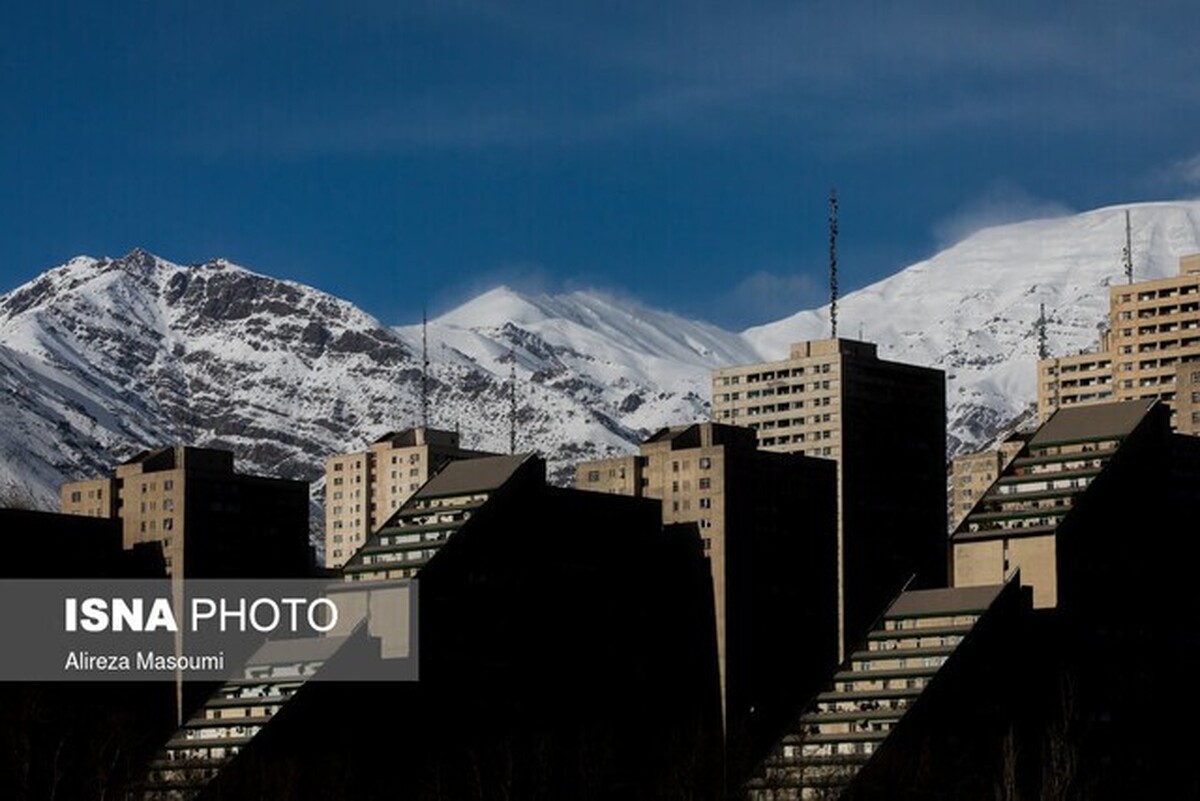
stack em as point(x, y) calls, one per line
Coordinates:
point(972, 309)
point(102, 357)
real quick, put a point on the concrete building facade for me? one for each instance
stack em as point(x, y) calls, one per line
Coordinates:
point(873, 691)
point(767, 526)
point(210, 520)
point(884, 425)
point(1068, 510)
point(566, 651)
point(363, 489)
point(972, 474)
point(1150, 350)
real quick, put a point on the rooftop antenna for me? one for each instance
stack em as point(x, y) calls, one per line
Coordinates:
point(424, 369)
point(1128, 252)
point(833, 284)
point(512, 401)
point(1043, 353)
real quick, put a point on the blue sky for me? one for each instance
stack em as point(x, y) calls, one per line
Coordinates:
point(401, 154)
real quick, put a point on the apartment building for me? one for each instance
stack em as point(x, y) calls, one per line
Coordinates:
point(854, 727)
point(363, 489)
point(565, 644)
point(884, 424)
point(1069, 510)
point(972, 474)
point(210, 520)
point(1150, 350)
point(408, 540)
point(767, 522)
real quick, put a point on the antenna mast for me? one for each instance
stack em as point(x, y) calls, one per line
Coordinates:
point(512, 401)
point(1128, 252)
point(424, 369)
point(833, 282)
point(1042, 351)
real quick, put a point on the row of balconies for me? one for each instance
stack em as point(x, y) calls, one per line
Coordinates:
point(1159, 294)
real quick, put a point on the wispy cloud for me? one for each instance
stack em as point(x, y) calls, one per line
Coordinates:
point(1001, 203)
point(764, 296)
point(1185, 171)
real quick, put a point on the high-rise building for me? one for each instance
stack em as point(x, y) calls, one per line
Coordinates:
point(1067, 512)
point(884, 424)
point(363, 489)
point(566, 649)
point(867, 736)
point(1151, 349)
point(768, 527)
point(972, 474)
point(211, 521)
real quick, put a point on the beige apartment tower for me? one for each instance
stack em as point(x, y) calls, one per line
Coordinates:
point(365, 488)
point(1151, 350)
point(884, 424)
point(972, 474)
point(767, 524)
point(211, 521)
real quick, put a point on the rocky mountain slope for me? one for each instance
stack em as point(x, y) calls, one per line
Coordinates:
point(102, 357)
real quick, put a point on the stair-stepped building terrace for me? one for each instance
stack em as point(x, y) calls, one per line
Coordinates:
point(847, 724)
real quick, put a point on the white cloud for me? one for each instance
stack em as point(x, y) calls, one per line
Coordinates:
point(1187, 170)
point(763, 296)
point(1001, 203)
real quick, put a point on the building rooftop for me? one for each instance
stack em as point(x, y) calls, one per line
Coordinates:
point(418, 435)
point(1100, 421)
point(291, 651)
point(692, 435)
point(473, 475)
point(918, 603)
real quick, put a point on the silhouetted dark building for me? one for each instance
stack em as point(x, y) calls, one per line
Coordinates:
point(212, 522)
point(76, 740)
point(884, 423)
point(768, 522)
point(566, 648)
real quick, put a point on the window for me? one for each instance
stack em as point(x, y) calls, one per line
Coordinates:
point(337, 482)
point(168, 524)
point(76, 496)
point(705, 523)
point(705, 483)
point(414, 458)
point(593, 476)
point(706, 503)
point(705, 463)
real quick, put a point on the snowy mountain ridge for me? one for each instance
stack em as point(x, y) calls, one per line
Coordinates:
point(102, 357)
